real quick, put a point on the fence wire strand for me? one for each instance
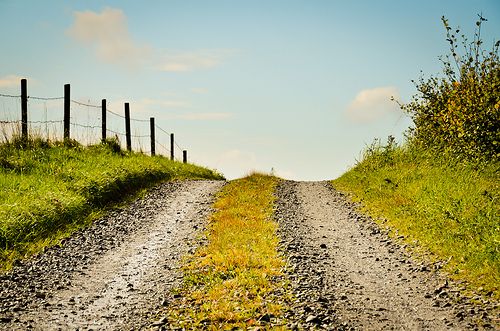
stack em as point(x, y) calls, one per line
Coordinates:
point(44, 122)
point(9, 95)
point(42, 98)
point(156, 141)
point(116, 132)
point(83, 104)
point(86, 126)
point(159, 128)
point(116, 114)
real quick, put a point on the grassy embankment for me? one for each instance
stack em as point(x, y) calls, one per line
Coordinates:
point(449, 208)
point(231, 282)
point(48, 190)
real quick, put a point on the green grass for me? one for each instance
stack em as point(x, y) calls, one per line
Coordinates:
point(233, 280)
point(48, 190)
point(448, 207)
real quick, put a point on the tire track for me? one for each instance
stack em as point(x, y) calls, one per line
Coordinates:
point(115, 274)
point(347, 274)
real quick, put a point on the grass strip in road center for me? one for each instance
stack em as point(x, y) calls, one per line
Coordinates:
point(235, 280)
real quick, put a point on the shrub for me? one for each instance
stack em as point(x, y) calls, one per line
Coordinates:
point(460, 112)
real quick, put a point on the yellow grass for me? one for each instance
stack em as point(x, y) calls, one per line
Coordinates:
point(232, 281)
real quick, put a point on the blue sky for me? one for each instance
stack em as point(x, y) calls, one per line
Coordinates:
point(298, 86)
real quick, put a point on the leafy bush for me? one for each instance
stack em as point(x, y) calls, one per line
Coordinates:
point(460, 112)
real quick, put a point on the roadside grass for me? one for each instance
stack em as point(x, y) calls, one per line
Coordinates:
point(49, 190)
point(448, 207)
point(232, 281)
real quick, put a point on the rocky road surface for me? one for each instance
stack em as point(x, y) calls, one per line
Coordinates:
point(115, 274)
point(347, 274)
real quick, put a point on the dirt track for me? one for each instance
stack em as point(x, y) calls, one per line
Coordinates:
point(348, 274)
point(115, 274)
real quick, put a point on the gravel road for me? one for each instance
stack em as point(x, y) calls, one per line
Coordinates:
point(347, 274)
point(115, 274)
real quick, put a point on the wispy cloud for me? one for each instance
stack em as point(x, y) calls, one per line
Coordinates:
point(372, 104)
point(107, 32)
point(204, 116)
point(10, 81)
point(196, 60)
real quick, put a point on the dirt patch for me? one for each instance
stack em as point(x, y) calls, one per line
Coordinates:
point(347, 274)
point(115, 274)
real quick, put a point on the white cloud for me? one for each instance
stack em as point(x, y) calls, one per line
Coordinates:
point(190, 61)
point(205, 116)
point(10, 81)
point(107, 32)
point(372, 104)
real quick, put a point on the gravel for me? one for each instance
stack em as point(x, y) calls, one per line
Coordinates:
point(115, 274)
point(348, 274)
point(345, 272)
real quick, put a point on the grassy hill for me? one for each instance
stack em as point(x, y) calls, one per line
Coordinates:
point(443, 205)
point(48, 190)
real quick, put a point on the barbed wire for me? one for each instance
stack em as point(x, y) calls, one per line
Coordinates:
point(86, 126)
point(9, 95)
point(168, 133)
point(157, 142)
point(140, 136)
point(45, 122)
point(46, 99)
point(85, 104)
point(138, 120)
point(116, 114)
point(159, 128)
point(115, 132)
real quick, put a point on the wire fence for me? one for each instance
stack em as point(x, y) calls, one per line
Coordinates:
point(86, 122)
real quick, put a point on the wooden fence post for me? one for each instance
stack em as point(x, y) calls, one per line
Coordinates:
point(184, 156)
point(172, 146)
point(24, 109)
point(152, 129)
point(127, 127)
point(67, 105)
point(103, 119)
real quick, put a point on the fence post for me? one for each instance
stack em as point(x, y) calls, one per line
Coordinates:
point(152, 129)
point(24, 109)
point(67, 104)
point(184, 156)
point(127, 127)
point(172, 146)
point(103, 119)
